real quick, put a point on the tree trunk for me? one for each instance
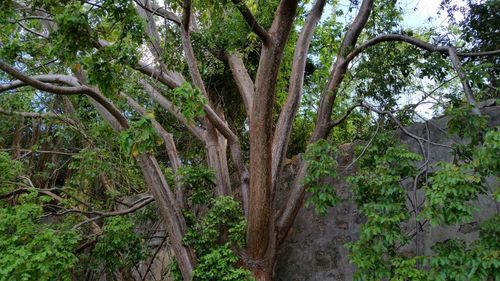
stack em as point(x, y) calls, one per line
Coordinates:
point(169, 211)
point(16, 140)
point(263, 274)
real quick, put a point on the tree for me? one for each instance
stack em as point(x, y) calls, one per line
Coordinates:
point(133, 58)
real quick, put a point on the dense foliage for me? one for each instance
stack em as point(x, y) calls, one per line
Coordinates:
point(450, 191)
point(107, 106)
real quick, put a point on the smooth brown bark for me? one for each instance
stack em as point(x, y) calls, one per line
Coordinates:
point(243, 81)
point(265, 274)
point(260, 222)
point(323, 121)
point(289, 109)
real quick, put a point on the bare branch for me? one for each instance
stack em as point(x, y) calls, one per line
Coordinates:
point(365, 148)
point(457, 65)
point(479, 54)
point(289, 109)
point(170, 146)
point(37, 115)
point(334, 123)
point(252, 21)
point(322, 127)
point(28, 188)
point(451, 51)
point(153, 41)
point(168, 78)
point(166, 104)
point(100, 215)
point(64, 90)
point(32, 31)
point(220, 124)
point(400, 125)
point(243, 81)
point(194, 71)
point(164, 239)
point(42, 151)
point(159, 11)
point(413, 41)
point(61, 90)
point(48, 78)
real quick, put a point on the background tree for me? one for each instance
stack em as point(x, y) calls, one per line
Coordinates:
point(91, 85)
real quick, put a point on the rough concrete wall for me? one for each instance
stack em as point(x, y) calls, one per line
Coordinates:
point(315, 248)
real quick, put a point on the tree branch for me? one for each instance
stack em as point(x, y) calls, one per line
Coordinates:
point(166, 104)
point(32, 31)
point(168, 78)
point(334, 123)
point(37, 115)
point(415, 42)
point(289, 109)
point(323, 122)
point(153, 40)
point(243, 80)
point(170, 146)
point(99, 215)
point(64, 90)
point(449, 50)
point(457, 65)
point(260, 230)
point(252, 21)
point(186, 15)
point(48, 78)
point(159, 11)
point(215, 149)
point(400, 125)
point(42, 151)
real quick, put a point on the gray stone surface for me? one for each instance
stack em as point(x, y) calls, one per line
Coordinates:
point(315, 248)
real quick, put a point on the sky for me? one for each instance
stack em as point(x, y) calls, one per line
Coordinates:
point(422, 13)
point(417, 12)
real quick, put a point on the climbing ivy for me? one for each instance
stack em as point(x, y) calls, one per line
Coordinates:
point(189, 99)
point(321, 158)
point(30, 249)
point(198, 182)
point(213, 238)
point(449, 192)
point(140, 138)
point(381, 198)
point(119, 246)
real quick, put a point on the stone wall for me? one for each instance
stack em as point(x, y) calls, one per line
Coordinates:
point(315, 249)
